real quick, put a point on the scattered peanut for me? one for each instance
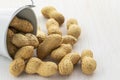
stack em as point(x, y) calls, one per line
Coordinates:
point(53, 27)
point(66, 65)
point(60, 52)
point(11, 48)
point(28, 39)
point(65, 48)
point(88, 64)
point(87, 53)
point(21, 25)
point(71, 22)
point(51, 12)
point(45, 69)
point(68, 39)
point(74, 57)
point(32, 39)
point(13, 30)
point(51, 42)
point(32, 65)
point(17, 67)
point(10, 33)
point(40, 35)
point(73, 28)
point(25, 52)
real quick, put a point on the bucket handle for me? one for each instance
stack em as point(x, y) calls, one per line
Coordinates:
point(32, 5)
point(32, 2)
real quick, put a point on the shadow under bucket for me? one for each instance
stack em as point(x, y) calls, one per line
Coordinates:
point(6, 16)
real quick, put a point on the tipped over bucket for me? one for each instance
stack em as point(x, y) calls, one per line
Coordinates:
point(6, 16)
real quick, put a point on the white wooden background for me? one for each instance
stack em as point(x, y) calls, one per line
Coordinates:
point(100, 24)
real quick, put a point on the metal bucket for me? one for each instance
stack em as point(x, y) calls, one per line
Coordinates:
point(6, 16)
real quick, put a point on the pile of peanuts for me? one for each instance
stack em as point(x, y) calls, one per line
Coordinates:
point(21, 43)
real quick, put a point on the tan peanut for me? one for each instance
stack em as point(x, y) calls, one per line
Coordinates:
point(10, 33)
point(87, 53)
point(73, 28)
point(50, 43)
point(25, 52)
point(68, 39)
point(21, 25)
point(88, 64)
point(60, 52)
point(32, 65)
point(11, 48)
point(53, 27)
point(51, 12)
point(65, 48)
point(40, 35)
point(32, 39)
point(74, 57)
point(14, 30)
point(70, 22)
point(66, 65)
point(18, 64)
point(17, 67)
point(45, 69)
point(28, 39)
